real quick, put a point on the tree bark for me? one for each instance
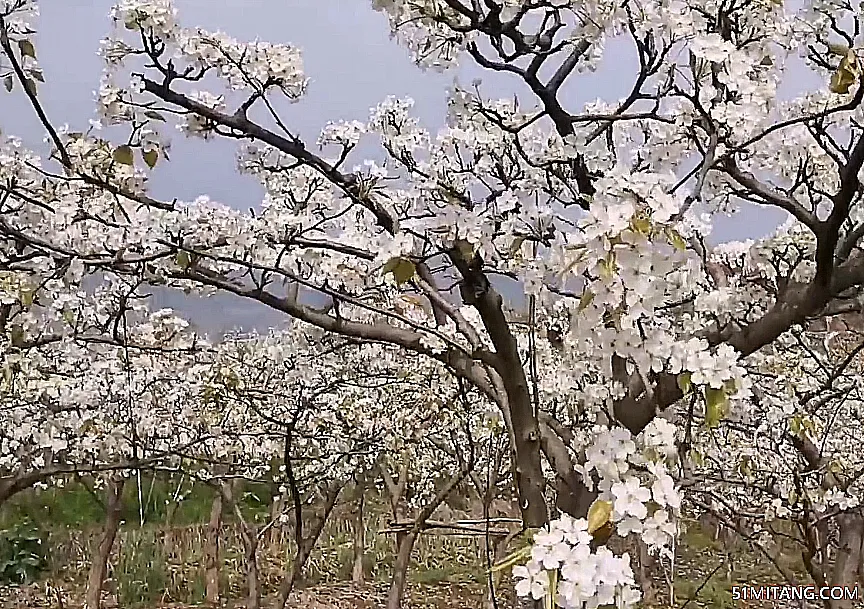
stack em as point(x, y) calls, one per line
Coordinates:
point(406, 543)
point(99, 565)
point(249, 536)
point(274, 533)
point(845, 572)
point(306, 545)
point(357, 574)
point(396, 494)
point(400, 570)
point(212, 551)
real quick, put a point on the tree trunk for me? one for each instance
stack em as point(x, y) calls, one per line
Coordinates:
point(406, 544)
point(498, 547)
point(252, 580)
point(274, 533)
point(845, 570)
point(400, 570)
point(357, 575)
point(211, 551)
point(99, 565)
point(249, 536)
point(305, 547)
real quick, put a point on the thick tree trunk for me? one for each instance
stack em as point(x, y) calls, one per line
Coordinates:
point(517, 407)
point(400, 570)
point(99, 564)
point(211, 551)
point(305, 547)
point(845, 572)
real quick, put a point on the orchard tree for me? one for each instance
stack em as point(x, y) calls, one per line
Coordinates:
point(793, 456)
point(600, 213)
point(85, 378)
point(313, 412)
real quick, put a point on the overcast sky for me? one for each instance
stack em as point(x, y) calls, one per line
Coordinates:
point(352, 62)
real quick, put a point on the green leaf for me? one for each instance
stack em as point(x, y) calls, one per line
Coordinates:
point(607, 267)
point(677, 240)
point(183, 260)
point(641, 225)
point(150, 157)
point(599, 514)
point(684, 382)
point(27, 49)
point(716, 404)
point(847, 73)
point(9, 82)
point(512, 559)
point(402, 268)
point(123, 155)
point(795, 425)
point(154, 115)
point(585, 300)
point(697, 458)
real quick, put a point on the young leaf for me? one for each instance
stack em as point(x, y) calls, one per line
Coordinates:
point(183, 260)
point(9, 82)
point(641, 225)
point(154, 115)
point(677, 240)
point(516, 245)
point(684, 382)
point(599, 514)
point(715, 406)
point(150, 157)
point(402, 269)
point(607, 267)
point(27, 49)
point(123, 154)
point(697, 458)
point(585, 300)
point(847, 73)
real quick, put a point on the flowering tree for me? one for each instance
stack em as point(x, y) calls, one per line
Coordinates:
point(600, 213)
point(85, 379)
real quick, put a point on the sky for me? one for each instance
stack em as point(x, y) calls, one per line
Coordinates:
point(353, 64)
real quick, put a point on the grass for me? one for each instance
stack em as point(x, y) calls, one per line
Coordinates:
point(158, 563)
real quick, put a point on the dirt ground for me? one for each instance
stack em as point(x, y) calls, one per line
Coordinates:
point(327, 596)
